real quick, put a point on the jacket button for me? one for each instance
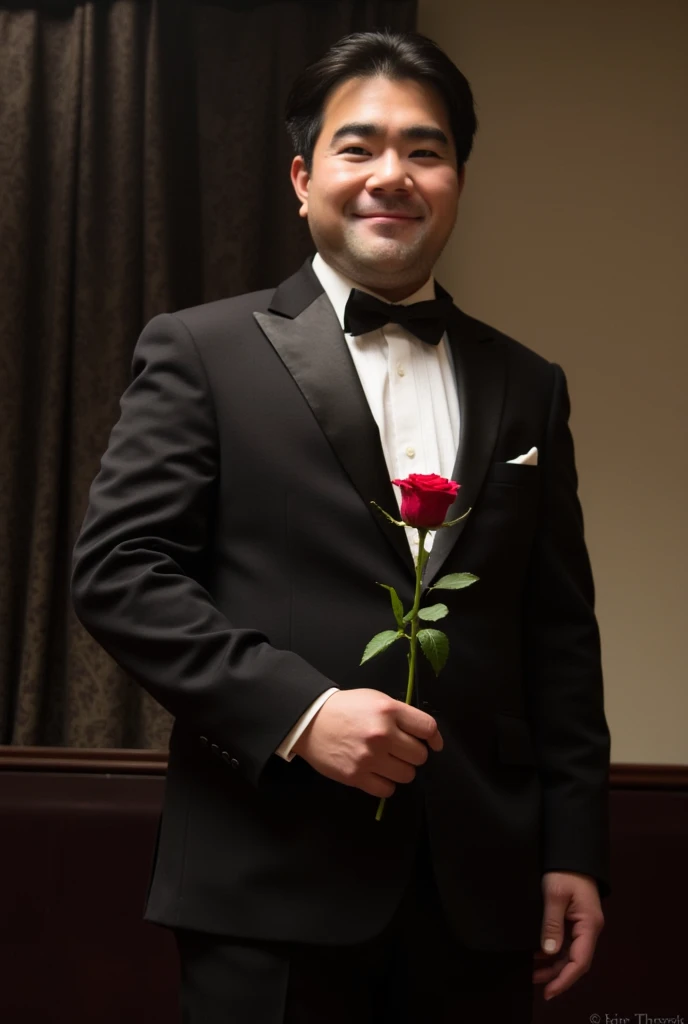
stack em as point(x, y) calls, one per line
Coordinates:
point(214, 747)
point(203, 740)
point(226, 757)
point(234, 763)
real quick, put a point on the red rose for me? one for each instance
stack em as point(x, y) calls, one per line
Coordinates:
point(425, 499)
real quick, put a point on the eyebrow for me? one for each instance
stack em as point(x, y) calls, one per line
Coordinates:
point(369, 130)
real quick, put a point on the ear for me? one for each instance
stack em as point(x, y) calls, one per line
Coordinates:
point(300, 179)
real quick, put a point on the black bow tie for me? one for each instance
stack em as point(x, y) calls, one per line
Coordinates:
point(427, 320)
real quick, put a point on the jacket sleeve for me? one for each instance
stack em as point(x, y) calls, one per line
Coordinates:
point(563, 677)
point(135, 568)
point(285, 749)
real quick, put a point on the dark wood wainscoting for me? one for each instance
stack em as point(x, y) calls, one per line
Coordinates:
point(77, 833)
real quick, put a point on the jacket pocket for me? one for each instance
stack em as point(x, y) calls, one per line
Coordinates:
point(513, 473)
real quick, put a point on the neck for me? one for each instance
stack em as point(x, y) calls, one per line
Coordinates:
point(397, 294)
point(385, 286)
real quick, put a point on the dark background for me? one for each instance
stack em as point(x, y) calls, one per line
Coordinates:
point(144, 167)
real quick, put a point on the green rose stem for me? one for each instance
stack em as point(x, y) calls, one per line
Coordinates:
point(420, 564)
point(434, 643)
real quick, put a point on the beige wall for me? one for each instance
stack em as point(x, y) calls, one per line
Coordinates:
point(572, 237)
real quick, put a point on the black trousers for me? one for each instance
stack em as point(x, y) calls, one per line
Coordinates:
point(415, 972)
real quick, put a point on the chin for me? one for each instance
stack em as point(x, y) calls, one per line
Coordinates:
point(383, 252)
point(387, 263)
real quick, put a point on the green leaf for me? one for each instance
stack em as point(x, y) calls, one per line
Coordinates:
point(435, 647)
point(397, 606)
point(433, 612)
point(455, 581)
point(380, 643)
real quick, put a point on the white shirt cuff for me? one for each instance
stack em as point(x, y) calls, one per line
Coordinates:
point(285, 748)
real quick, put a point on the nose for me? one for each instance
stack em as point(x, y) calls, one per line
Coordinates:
point(389, 174)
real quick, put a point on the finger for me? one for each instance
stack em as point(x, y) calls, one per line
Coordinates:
point(580, 956)
point(544, 974)
point(570, 974)
point(409, 749)
point(376, 785)
point(582, 946)
point(394, 768)
point(417, 723)
point(583, 943)
point(552, 934)
point(436, 741)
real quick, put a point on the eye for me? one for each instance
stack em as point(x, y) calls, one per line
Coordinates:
point(425, 153)
point(360, 149)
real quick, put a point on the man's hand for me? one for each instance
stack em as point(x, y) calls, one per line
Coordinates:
point(575, 899)
point(366, 739)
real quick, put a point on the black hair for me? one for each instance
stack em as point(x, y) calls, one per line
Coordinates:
point(393, 55)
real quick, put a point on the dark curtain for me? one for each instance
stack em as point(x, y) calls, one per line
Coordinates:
point(143, 168)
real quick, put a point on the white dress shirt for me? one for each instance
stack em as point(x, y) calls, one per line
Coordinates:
point(411, 390)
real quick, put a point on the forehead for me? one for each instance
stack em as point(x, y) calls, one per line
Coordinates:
point(391, 104)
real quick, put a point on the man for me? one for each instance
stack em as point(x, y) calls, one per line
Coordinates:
point(229, 561)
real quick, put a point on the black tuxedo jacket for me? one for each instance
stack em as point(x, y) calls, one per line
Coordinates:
point(228, 561)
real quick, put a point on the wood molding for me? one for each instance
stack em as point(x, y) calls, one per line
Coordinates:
point(114, 761)
point(648, 776)
point(118, 761)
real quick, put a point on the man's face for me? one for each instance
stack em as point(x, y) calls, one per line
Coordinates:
point(381, 199)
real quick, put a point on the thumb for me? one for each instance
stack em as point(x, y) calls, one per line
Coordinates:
point(553, 925)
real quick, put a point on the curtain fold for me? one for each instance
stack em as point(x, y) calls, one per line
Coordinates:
point(143, 168)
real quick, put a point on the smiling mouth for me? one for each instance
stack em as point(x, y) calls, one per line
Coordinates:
point(385, 216)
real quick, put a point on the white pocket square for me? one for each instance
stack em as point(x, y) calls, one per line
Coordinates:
point(529, 459)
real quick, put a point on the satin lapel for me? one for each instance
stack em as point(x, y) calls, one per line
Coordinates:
point(479, 362)
point(313, 349)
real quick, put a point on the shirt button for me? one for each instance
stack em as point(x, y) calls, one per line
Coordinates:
point(401, 369)
point(410, 452)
